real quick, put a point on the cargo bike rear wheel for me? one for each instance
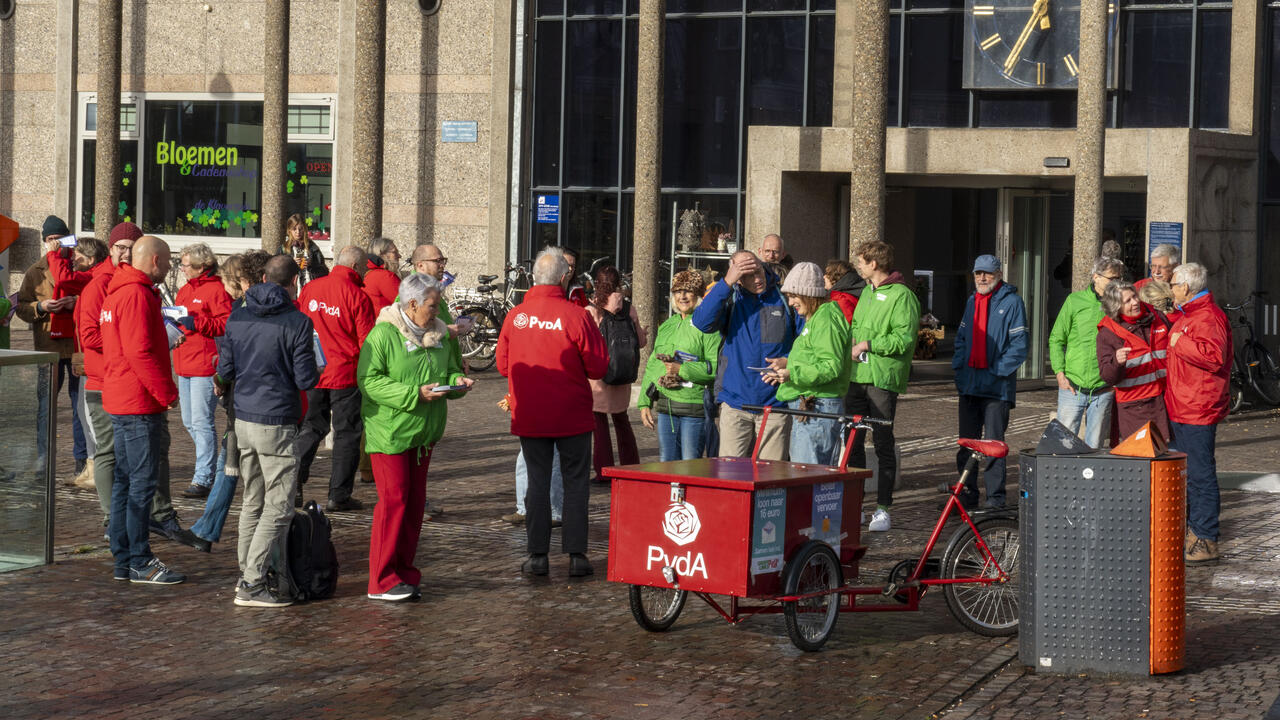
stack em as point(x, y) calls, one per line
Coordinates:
point(987, 609)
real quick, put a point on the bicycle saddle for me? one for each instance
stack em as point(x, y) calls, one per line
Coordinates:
point(990, 448)
point(485, 288)
point(485, 279)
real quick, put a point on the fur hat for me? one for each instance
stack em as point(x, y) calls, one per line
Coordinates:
point(688, 280)
point(805, 279)
point(124, 231)
point(53, 225)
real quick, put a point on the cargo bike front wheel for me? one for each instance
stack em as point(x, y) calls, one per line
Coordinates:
point(815, 571)
point(656, 608)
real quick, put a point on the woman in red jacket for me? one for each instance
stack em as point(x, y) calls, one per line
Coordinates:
point(208, 306)
point(1133, 340)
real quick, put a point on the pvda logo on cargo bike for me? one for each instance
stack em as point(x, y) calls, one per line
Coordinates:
point(681, 525)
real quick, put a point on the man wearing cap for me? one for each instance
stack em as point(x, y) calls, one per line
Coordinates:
point(991, 344)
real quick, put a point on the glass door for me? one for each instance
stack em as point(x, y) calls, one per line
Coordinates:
point(1024, 218)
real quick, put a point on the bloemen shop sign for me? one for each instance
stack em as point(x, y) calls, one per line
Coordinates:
point(202, 160)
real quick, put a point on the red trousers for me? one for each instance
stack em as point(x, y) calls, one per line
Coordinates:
point(397, 518)
point(602, 455)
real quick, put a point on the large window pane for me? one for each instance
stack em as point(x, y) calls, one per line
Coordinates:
point(681, 6)
point(1026, 109)
point(589, 225)
point(550, 7)
point(629, 108)
point(935, 56)
point(1157, 69)
point(1273, 120)
point(595, 7)
point(1214, 69)
point(753, 5)
point(822, 58)
point(700, 111)
point(127, 207)
point(591, 134)
point(775, 71)
point(309, 186)
point(202, 162)
point(895, 67)
point(545, 136)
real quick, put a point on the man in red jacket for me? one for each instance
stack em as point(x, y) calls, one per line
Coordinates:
point(1199, 372)
point(381, 282)
point(137, 389)
point(342, 315)
point(547, 350)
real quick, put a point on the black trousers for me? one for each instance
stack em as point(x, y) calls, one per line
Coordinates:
point(984, 418)
point(575, 467)
point(343, 406)
point(871, 401)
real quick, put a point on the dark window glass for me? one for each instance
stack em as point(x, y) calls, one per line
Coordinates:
point(545, 140)
point(895, 66)
point(775, 71)
point(1273, 119)
point(593, 57)
point(309, 186)
point(935, 56)
point(589, 225)
point(824, 4)
point(1026, 109)
point(1214, 69)
point(550, 7)
point(629, 108)
point(776, 5)
point(1127, 3)
point(595, 7)
point(202, 164)
point(822, 59)
point(690, 6)
point(917, 4)
point(1157, 69)
point(700, 112)
point(127, 206)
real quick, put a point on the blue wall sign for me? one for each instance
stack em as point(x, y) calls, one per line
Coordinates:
point(1166, 233)
point(459, 131)
point(548, 209)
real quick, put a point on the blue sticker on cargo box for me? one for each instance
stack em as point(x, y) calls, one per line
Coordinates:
point(768, 530)
point(548, 209)
point(828, 506)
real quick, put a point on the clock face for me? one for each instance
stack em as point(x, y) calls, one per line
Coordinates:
point(1025, 43)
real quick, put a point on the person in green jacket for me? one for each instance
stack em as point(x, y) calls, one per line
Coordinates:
point(815, 376)
point(884, 327)
point(671, 397)
point(1073, 355)
point(402, 363)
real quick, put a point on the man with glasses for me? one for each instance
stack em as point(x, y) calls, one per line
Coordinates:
point(1073, 355)
point(429, 260)
point(1164, 260)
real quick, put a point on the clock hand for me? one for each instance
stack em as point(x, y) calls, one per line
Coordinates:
point(1037, 12)
point(1044, 16)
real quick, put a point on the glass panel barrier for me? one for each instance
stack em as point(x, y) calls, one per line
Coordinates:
point(26, 471)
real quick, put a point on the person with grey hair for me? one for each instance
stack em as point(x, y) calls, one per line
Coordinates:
point(1199, 364)
point(207, 307)
point(405, 375)
point(1073, 355)
point(342, 315)
point(382, 281)
point(548, 349)
point(1164, 260)
point(1133, 338)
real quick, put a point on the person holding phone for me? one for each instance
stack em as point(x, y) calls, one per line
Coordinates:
point(403, 362)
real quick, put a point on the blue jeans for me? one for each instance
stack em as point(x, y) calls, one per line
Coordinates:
point(1094, 408)
point(557, 486)
point(816, 440)
point(195, 395)
point(680, 438)
point(138, 446)
point(209, 526)
point(1199, 443)
point(43, 378)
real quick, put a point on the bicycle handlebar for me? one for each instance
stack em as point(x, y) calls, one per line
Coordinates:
point(1260, 294)
point(849, 419)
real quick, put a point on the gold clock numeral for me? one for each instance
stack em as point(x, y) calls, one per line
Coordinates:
point(984, 9)
point(990, 42)
point(1072, 67)
point(1039, 73)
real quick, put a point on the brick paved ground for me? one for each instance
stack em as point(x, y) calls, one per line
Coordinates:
point(487, 642)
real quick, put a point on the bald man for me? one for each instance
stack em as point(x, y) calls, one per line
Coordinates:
point(428, 259)
point(137, 388)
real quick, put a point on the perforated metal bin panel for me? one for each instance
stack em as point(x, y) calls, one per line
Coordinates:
point(1085, 594)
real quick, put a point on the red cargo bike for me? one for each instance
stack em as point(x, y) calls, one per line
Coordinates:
point(783, 537)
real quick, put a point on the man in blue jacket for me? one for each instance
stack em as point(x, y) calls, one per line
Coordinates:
point(748, 310)
point(991, 343)
point(267, 352)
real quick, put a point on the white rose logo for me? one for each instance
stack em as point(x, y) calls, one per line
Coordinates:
point(681, 523)
point(312, 307)
point(522, 321)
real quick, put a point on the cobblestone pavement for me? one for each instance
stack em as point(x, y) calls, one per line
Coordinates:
point(488, 643)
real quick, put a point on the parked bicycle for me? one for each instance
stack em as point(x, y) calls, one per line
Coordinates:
point(487, 311)
point(1254, 365)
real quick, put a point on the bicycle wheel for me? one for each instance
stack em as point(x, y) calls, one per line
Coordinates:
point(656, 608)
point(483, 339)
point(814, 569)
point(1264, 374)
point(1235, 393)
point(990, 610)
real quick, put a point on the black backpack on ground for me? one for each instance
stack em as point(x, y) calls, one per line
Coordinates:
point(312, 563)
point(623, 343)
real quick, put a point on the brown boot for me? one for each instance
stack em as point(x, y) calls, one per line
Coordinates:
point(1202, 552)
point(1188, 541)
point(84, 480)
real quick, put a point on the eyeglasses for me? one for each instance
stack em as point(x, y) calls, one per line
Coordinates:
point(438, 261)
point(1110, 277)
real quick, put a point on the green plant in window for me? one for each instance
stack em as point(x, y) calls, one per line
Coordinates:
point(292, 167)
point(315, 211)
point(122, 207)
point(308, 222)
point(303, 179)
point(128, 168)
point(125, 181)
point(288, 186)
point(225, 224)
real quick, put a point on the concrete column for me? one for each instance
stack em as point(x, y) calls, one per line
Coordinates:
point(107, 161)
point(65, 107)
point(366, 141)
point(870, 99)
point(344, 120)
point(275, 122)
point(1248, 27)
point(1091, 128)
point(648, 180)
point(842, 74)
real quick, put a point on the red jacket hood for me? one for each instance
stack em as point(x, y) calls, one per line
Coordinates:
point(88, 331)
point(139, 376)
point(129, 275)
point(342, 314)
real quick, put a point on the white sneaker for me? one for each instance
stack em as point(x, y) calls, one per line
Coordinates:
point(879, 520)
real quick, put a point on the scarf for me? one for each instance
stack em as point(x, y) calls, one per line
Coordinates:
point(412, 329)
point(978, 344)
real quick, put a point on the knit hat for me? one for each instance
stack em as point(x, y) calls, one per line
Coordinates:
point(124, 231)
point(689, 281)
point(805, 279)
point(987, 264)
point(53, 225)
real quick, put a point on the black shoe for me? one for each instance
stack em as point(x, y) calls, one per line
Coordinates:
point(190, 539)
point(537, 564)
point(259, 596)
point(348, 504)
point(168, 529)
point(579, 565)
point(417, 592)
point(196, 491)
